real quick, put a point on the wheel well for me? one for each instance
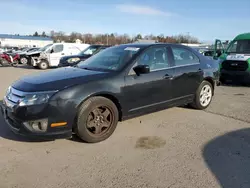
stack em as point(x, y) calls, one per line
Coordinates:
point(210, 80)
point(115, 101)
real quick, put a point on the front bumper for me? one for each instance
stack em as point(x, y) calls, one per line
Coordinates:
point(235, 76)
point(66, 64)
point(15, 121)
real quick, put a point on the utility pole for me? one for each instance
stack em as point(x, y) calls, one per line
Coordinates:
point(188, 34)
point(83, 35)
point(107, 39)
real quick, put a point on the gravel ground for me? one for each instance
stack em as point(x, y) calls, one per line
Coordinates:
point(178, 147)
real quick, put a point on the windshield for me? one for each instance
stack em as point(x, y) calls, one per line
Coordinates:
point(112, 58)
point(89, 51)
point(46, 47)
point(239, 46)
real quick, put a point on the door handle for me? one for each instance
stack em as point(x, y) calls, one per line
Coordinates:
point(62, 53)
point(200, 70)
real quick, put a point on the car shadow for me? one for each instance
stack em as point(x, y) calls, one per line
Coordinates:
point(6, 133)
point(31, 67)
point(228, 158)
point(235, 84)
point(24, 67)
point(75, 138)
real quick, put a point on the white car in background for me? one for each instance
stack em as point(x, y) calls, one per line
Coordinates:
point(54, 53)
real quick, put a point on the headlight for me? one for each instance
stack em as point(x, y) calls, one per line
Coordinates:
point(36, 98)
point(8, 91)
point(72, 60)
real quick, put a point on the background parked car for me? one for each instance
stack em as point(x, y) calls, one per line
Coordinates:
point(83, 55)
point(22, 54)
point(36, 53)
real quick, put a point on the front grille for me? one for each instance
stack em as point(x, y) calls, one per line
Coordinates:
point(235, 65)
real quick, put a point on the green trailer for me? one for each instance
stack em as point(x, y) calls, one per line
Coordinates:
point(234, 59)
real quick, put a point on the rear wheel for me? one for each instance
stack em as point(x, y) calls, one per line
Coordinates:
point(97, 119)
point(43, 65)
point(222, 80)
point(203, 96)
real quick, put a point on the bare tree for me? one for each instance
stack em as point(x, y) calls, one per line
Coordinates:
point(114, 38)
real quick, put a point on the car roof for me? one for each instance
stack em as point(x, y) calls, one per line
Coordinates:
point(243, 36)
point(146, 45)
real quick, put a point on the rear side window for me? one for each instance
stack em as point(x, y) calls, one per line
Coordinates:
point(58, 48)
point(183, 56)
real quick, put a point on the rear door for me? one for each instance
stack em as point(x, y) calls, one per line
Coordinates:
point(188, 72)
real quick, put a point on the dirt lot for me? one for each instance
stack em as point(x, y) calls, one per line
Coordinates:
point(178, 147)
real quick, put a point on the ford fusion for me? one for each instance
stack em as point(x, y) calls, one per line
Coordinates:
point(116, 84)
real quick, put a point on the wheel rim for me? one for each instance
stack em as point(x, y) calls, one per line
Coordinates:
point(205, 95)
point(24, 61)
point(43, 65)
point(99, 121)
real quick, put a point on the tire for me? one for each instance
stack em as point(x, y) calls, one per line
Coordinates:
point(85, 130)
point(15, 63)
point(43, 65)
point(222, 80)
point(23, 61)
point(197, 103)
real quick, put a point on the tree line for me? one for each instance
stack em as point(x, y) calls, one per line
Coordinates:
point(114, 39)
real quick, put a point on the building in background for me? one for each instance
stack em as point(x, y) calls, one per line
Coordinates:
point(23, 41)
point(145, 41)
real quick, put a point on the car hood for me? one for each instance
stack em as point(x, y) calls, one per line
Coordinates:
point(22, 53)
point(34, 52)
point(74, 56)
point(57, 79)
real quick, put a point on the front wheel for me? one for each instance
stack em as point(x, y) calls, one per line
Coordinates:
point(203, 96)
point(43, 65)
point(24, 61)
point(97, 119)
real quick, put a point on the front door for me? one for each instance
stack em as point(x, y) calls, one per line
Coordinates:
point(153, 89)
point(218, 49)
point(188, 73)
point(55, 54)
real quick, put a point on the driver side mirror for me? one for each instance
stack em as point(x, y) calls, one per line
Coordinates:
point(51, 51)
point(141, 69)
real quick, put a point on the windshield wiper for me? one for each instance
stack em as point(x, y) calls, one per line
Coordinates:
point(86, 68)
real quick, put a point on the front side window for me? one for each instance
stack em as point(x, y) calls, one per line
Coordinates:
point(239, 46)
point(156, 58)
point(57, 48)
point(183, 56)
point(113, 58)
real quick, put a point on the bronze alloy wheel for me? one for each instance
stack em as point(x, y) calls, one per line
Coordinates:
point(99, 120)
